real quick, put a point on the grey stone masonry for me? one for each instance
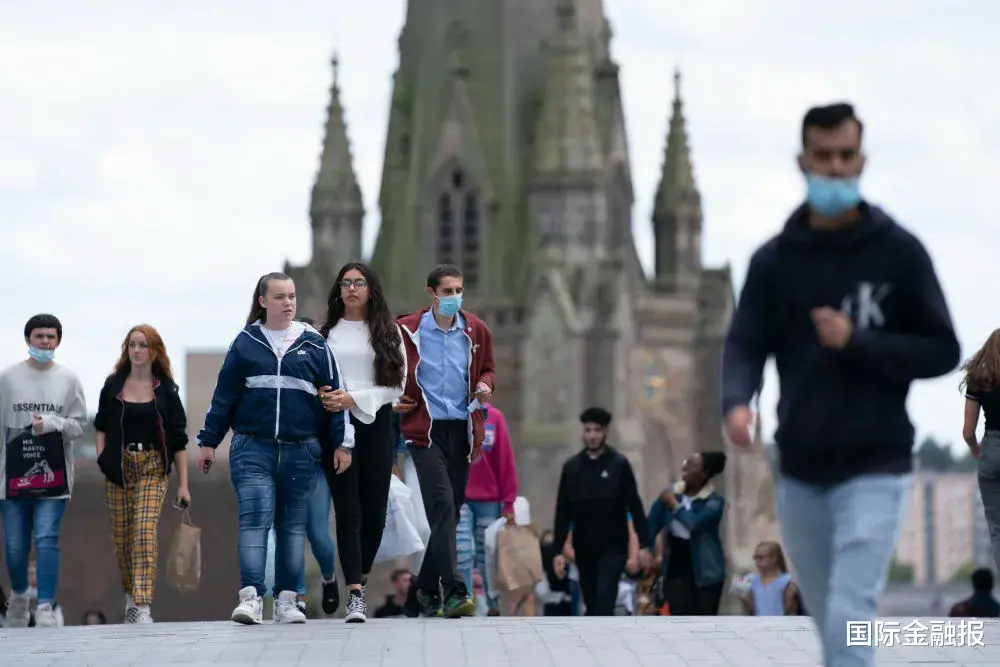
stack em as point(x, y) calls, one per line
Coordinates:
point(492, 642)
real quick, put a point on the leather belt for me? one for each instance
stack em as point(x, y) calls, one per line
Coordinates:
point(136, 447)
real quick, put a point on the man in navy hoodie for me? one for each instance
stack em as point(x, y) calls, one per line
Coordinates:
point(848, 303)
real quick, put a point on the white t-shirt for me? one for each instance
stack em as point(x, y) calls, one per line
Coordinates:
point(351, 345)
point(676, 527)
point(281, 340)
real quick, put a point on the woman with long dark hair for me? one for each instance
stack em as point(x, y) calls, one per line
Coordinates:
point(369, 346)
point(267, 393)
point(141, 429)
point(981, 382)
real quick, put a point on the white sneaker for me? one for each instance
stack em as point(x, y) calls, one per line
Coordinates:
point(250, 609)
point(48, 616)
point(18, 613)
point(357, 605)
point(142, 614)
point(286, 608)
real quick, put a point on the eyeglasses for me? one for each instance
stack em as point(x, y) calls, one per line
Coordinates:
point(357, 283)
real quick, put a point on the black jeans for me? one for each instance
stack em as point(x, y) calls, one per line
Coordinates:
point(599, 577)
point(443, 472)
point(685, 598)
point(361, 494)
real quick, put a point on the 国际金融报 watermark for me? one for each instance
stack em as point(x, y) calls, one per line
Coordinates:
point(932, 633)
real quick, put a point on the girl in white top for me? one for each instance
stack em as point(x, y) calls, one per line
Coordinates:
point(369, 348)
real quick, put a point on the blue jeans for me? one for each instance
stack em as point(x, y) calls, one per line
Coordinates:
point(840, 541)
point(318, 533)
point(273, 483)
point(23, 518)
point(474, 519)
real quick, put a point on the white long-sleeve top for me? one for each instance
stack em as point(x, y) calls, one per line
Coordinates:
point(351, 345)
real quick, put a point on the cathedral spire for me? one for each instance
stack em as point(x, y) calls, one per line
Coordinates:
point(566, 139)
point(677, 207)
point(336, 188)
point(678, 174)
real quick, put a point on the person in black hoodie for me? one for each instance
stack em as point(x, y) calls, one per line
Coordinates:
point(849, 304)
point(597, 492)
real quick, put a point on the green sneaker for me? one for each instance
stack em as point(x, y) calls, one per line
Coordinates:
point(458, 605)
point(430, 605)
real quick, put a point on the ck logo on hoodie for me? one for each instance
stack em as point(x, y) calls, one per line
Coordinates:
point(864, 307)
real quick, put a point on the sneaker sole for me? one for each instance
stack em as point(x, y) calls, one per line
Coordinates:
point(466, 609)
point(355, 617)
point(245, 619)
point(289, 621)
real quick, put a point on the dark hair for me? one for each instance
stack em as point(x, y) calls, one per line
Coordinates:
point(43, 321)
point(257, 311)
point(397, 573)
point(598, 416)
point(982, 371)
point(95, 612)
point(830, 117)
point(712, 463)
point(440, 272)
point(383, 334)
point(982, 580)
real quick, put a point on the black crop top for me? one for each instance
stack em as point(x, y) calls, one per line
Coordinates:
point(989, 401)
point(139, 423)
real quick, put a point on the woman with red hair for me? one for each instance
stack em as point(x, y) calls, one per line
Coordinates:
point(141, 430)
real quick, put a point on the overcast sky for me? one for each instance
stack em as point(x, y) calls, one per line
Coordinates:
point(156, 158)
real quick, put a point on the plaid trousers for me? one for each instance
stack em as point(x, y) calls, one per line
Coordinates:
point(135, 516)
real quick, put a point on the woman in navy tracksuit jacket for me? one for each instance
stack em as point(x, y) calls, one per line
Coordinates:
point(268, 394)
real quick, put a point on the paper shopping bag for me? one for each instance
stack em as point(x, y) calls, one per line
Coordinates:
point(518, 559)
point(184, 557)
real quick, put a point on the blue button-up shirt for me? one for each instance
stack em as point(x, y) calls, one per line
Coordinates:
point(443, 371)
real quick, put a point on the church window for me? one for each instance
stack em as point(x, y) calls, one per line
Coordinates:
point(460, 222)
point(470, 240)
point(445, 230)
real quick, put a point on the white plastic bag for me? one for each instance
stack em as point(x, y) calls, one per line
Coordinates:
point(269, 563)
point(401, 537)
point(423, 526)
point(490, 544)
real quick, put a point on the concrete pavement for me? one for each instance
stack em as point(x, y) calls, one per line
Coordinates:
point(734, 641)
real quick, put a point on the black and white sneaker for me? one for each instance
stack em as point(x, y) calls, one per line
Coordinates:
point(331, 597)
point(357, 605)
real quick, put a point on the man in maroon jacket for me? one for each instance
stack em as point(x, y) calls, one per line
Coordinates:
point(449, 360)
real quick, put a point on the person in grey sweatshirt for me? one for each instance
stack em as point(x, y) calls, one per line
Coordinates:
point(42, 415)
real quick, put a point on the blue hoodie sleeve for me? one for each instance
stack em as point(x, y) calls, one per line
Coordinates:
point(339, 427)
point(746, 347)
point(228, 389)
point(928, 347)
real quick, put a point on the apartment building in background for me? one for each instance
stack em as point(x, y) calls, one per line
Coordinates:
point(944, 529)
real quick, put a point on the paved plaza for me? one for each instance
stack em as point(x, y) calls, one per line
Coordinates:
point(480, 642)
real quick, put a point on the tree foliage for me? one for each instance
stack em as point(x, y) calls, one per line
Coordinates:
point(934, 456)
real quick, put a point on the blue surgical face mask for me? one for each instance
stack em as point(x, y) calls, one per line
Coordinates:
point(449, 305)
point(41, 356)
point(832, 196)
